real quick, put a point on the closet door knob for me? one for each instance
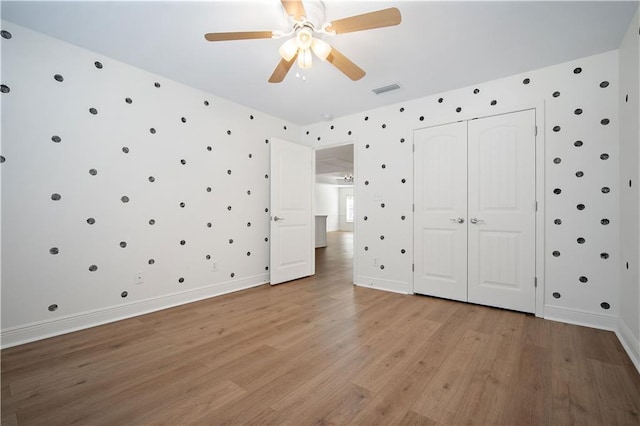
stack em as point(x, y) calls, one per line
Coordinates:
point(476, 221)
point(458, 220)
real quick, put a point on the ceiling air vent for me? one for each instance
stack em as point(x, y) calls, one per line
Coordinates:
point(384, 89)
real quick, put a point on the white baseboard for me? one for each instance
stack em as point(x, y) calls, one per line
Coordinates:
point(41, 330)
point(578, 317)
point(629, 342)
point(380, 284)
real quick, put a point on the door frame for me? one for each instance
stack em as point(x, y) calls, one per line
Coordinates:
point(539, 109)
point(353, 143)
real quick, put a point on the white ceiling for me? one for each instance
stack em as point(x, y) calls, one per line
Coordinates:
point(438, 46)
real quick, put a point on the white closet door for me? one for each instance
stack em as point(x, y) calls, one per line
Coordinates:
point(440, 195)
point(501, 247)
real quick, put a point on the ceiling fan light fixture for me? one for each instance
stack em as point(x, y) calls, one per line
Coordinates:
point(305, 59)
point(321, 48)
point(304, 37)
point(288, 49)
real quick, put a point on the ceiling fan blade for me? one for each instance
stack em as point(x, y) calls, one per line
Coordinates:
point(281, 70)
point(245, 35)
point(294, 8)
point(367, 21)
point(345, 65)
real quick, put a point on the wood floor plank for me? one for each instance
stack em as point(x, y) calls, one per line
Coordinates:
point(322, 351)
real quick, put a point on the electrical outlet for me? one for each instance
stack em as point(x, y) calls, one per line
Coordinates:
point(375, 261)
point(214, 266)
point(139, 277)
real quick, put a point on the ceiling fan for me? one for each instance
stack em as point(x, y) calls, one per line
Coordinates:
point(304, 26)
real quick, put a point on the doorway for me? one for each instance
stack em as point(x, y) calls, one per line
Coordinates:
point(334, 205)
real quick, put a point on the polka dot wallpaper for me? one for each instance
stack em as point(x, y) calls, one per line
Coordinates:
point(578, 119)
point(109, 171)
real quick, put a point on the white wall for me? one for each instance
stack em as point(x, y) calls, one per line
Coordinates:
point(629, 95)
point(384, 137)
point(344, 225)
point(235, 167)
point(327, 203)
point(39, 107)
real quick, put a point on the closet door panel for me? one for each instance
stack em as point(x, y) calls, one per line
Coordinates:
point(501, 211)
point(440, 195)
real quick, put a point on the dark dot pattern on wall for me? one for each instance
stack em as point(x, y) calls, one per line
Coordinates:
point(53, 307)
point(136, 163)
point(385, 186)
point(6, 34)
point(581, 193)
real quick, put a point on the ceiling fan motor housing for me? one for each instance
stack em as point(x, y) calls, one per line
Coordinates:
point(315, 13)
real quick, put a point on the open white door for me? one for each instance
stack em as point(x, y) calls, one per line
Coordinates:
point(292, 182)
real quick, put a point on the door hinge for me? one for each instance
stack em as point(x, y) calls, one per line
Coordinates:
point(536, 206)
point(535, 282)
point(535, 130)
point(413, 208)
point(413, 267)
point(413, 147)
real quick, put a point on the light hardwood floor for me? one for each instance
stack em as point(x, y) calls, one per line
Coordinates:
point(321, 351)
